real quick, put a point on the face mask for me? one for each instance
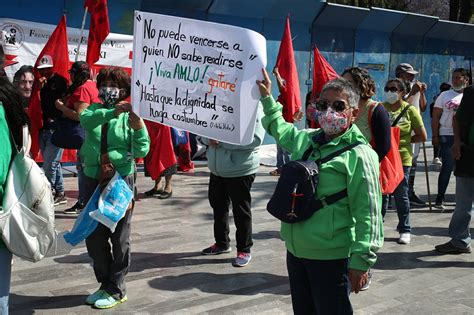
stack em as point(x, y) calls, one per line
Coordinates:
point(333, 122)
point(109, 95)
point(391, 97)
point(459, 87)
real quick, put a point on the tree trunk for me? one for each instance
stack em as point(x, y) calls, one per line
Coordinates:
point(466, 11)
point(453, 10)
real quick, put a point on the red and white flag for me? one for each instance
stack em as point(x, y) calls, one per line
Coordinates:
point(57, 49)
point(291, 99)
point(98, 30)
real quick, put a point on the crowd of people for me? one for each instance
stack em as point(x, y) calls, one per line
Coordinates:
point(330, 254)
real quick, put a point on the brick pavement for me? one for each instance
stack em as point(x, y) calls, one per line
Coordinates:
point(168, 275)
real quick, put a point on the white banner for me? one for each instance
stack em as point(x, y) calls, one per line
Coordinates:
point(197, 76)
point(24, 40)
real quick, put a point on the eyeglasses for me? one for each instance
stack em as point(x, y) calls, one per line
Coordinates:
point(391, 89)
point(338, 106)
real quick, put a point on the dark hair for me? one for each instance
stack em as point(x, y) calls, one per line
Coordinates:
point(462, 72)
point(21, 72)
point(401, 85)
point(363, 81)
point(117, 75)
point(82, 73)
point(15, 114)
point(444, 87)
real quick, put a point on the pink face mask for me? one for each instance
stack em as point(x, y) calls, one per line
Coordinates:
point(333, 122)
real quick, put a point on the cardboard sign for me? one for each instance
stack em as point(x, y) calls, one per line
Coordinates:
point(197, 76)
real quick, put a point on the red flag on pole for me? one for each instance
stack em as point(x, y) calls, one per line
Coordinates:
point(98, 30)
point(57, 49)
point(322, 73)
point(286, 64)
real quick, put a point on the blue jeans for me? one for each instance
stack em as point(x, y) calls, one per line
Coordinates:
point(283, 157)
point(445, 144)
point(52, 161)
point(460, 221)
point(401, 202)
point(5, 278)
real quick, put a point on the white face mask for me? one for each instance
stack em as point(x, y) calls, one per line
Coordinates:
point(459, 87)
point(109, 95)
point(391, 97)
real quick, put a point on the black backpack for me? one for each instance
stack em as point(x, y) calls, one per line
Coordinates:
point(294, 197)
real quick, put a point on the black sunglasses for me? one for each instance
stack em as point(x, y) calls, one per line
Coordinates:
point(338, 106)
point(391, 89)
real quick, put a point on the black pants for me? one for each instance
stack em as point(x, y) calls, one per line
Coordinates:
point(110, 264)
point(222, 191)
point(319, 286)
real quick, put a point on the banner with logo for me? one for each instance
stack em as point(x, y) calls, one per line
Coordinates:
point(24, 40)
point(197, 76)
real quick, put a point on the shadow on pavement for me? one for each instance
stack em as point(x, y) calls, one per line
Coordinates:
point(23, 304)
point(400, 260)
point(233, 284)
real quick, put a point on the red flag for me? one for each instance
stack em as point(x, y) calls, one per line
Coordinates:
point(322, 73)
point(161, 155)
point(98, 30)
point(57, 49)
point(290, 97)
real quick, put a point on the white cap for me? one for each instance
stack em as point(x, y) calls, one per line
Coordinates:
point(45, 62)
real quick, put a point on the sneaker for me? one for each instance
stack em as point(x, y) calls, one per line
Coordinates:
point(91, 299)
point(366, 286)
point(405, 238)
point(215, 250)
point(439, 203)
point(242, 259)
point(76, 209)
point(59, 199)
point(416, 201)
point(437, 161)
point(449, 248)
point(108, 301)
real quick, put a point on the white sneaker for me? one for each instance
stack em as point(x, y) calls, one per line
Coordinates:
point(405, 238)
point(437, 161)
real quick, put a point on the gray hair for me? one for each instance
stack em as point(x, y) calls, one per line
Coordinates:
point(344, 86)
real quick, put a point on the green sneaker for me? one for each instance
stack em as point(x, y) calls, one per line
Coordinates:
point(108, 301)
point(91, 299)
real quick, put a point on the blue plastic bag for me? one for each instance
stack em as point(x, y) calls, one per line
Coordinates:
point(84, 225)
point(113, 202)
point(178, 136)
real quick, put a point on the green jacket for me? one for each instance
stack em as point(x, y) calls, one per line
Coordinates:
point(5, 155)
point(351, 227)
point(122, 141)
point(231, 160)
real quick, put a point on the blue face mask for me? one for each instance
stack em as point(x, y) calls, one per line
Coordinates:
point(109, 95)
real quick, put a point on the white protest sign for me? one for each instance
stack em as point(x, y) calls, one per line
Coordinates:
point(197, 76)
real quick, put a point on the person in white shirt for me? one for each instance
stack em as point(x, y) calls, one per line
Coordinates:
point(417, 98)
point(442, 127)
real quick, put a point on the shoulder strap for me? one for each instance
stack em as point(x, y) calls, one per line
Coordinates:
point(338, 152)
point(307, 153)
point(395, 122)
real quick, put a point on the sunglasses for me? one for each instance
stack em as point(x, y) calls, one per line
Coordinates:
point(338, 106)
point(391, 89)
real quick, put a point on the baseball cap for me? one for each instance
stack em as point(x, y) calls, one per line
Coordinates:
point(405, 67)
point(45, 62)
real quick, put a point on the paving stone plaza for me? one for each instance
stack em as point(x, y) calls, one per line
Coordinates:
point(168, 274)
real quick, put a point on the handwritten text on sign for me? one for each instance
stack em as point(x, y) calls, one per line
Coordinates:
point(197, 76)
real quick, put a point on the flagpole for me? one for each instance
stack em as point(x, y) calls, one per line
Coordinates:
point(82, 32)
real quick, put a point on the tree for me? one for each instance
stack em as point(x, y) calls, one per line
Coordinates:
point(460, 10)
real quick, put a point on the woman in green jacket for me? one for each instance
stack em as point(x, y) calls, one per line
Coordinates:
point(328, 255)
point(127, 139)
